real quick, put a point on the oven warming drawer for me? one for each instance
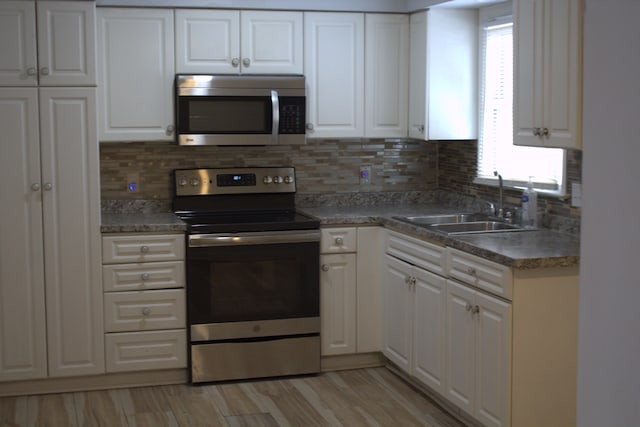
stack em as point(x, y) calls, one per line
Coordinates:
point(257, 359)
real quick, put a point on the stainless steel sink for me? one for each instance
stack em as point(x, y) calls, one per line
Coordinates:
point(461, 223)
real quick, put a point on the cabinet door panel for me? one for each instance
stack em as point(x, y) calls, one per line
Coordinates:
point(493, 367)
point(18, 43)
point(72, 226)
point(334, 67)
point(66, 43)
point(23, 353)
point(337, 303)
point(429, 329)
point(136, 84)
point(207, 41)
point(397, 313)
point(460, 346)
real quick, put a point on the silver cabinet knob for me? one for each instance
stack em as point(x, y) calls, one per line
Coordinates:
point(246, 62)
point(545, 132)
point(48, 186)
point(44, 71)
point(35, 187)
point(536, 131)
point(144, 249)
point(468, 307)
point(475, 309)
point(170, 129)
point(146, 311)
point(235, 62)
point(145, 276)
point(325, 267)
point(31, 71)
point(309, 126)
point(339, 241)
point(421, 128)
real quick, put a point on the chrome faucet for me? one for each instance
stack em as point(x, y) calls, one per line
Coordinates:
point(500, 212)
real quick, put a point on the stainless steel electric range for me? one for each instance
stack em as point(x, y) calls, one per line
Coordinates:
point(253, 294)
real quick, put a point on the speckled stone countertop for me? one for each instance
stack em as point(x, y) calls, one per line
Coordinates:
point(522, 250)
point(141, 222)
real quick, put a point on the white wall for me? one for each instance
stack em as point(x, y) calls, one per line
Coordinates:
point(609, 346)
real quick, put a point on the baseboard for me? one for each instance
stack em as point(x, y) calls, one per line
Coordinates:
point(352, 361)
point(94, 382)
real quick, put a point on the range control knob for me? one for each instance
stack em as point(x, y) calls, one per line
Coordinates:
point(195, 182)
point(267, 179)
point(288, 179)
point(182, 182)
point(278, 179)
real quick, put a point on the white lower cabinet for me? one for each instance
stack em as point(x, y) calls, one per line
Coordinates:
point(350, 290)
point(144, 301)
point(478, 351)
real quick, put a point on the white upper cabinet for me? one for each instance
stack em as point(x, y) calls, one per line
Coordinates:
point(443, 74)
point(548, 73)
point(136, 74)
point(232, 42)
point(334, 64)
point(65, 40)
point(386, 75)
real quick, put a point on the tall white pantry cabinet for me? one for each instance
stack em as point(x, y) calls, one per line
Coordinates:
point(50, 291)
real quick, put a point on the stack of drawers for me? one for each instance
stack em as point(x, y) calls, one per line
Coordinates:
point(144, 301)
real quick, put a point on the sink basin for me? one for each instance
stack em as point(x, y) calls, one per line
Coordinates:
point(460, 223)
point(474, 227)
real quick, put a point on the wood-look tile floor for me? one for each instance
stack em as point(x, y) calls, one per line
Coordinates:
point(363, 397)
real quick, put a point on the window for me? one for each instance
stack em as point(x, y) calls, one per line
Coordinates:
point(496, 151)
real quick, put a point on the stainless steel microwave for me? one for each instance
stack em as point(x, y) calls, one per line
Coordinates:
point(240, 110)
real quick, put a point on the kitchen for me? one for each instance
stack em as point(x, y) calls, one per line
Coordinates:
point(146, 158)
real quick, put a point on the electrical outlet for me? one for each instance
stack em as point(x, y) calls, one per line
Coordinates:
point(365, 174)
point(576, 194)
point(133, 182)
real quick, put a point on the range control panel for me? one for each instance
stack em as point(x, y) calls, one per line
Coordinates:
point(201, 182)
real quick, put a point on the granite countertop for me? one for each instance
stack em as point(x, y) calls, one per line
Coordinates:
point(522, 250)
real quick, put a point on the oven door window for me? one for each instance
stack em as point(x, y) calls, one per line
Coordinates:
point(225, 115)
point(254, 282)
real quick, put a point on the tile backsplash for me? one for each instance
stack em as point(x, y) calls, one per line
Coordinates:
point(322, 166)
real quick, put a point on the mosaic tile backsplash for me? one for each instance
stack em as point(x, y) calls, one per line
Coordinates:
point(322, 166)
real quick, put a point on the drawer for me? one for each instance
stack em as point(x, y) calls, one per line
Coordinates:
point(337, 240)
point(123, 248)
point(417, 252)
point(141, 276)
point(481, 273)
point(139, 351)
point(144, 310)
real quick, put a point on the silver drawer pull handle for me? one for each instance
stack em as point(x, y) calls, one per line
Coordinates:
point(144, 249)
point(145, 276)
point(339, 241)
point(146, 311)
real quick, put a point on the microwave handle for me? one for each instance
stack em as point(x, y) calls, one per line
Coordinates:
point(275, 106)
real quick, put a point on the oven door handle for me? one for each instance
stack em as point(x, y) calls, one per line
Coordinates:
point(262, 238)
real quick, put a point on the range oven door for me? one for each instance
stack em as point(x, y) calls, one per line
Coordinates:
point(253, 298)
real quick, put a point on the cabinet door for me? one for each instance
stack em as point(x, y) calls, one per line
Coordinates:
point(271, 42)
point(66, 43)
point(493, 364)
point(136, 78)
point(71, 201)
point(397, 313)
point(429, 329)
point(23, 352)
point(460, 347)
point(338, 304)
point(548, 86)
point(386, 75)
point(207, 41)
point(369, 284)
point(418, 76)
point(334, 67)
point(18, 60)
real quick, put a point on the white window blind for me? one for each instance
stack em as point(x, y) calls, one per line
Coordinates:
point(496, 151)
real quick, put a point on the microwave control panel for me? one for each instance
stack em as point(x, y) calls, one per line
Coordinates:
point(292, 115)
